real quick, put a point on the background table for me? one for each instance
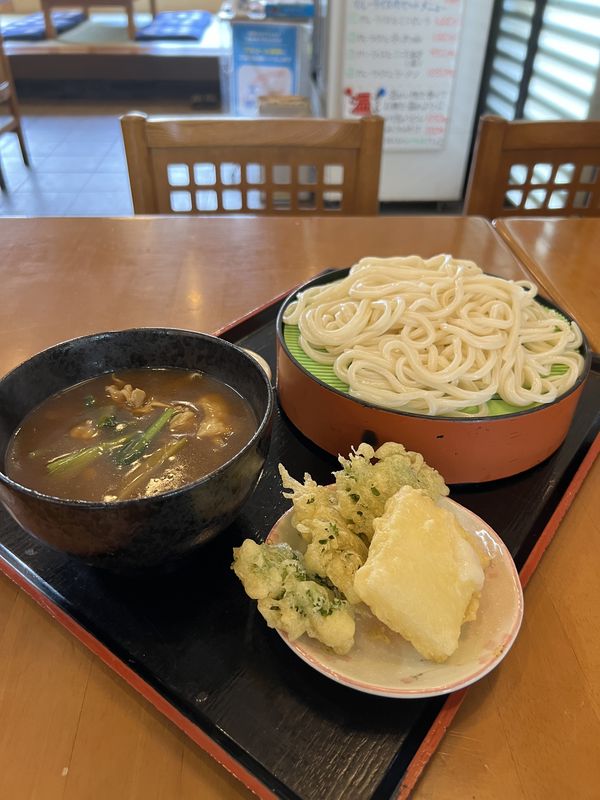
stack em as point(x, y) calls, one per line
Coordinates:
point(73, 730)
point(563, 257)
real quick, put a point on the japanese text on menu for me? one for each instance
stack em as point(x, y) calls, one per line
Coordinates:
point(399, 62)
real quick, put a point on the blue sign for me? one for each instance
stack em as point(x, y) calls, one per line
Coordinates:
point(265, 62)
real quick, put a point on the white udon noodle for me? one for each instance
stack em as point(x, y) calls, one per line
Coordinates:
point(436, 336)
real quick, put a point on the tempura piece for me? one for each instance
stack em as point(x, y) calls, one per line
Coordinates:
point(289, 598)
point(310, 502)
point(363, 486)
point(423, 576)
point(335, 553)
point(337, 521)
point(333, 550)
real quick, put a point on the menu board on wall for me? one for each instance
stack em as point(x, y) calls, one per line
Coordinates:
point(399, 59)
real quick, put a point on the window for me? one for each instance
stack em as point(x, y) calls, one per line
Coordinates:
point(545, 60)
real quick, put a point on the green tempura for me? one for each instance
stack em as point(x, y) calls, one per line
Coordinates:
point(291, 599)
point(369, 477)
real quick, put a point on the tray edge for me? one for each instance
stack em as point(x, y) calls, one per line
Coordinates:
point(160, 703)
point(440, 723)
point(450, 708)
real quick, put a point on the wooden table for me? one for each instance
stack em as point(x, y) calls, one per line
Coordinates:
point(73, 730)
point(562, 255)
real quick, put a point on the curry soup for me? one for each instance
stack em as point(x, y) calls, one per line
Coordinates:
point(129, 434)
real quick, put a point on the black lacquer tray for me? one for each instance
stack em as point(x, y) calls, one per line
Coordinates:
point(193, 644)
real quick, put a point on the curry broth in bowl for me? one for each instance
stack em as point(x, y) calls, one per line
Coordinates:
point(131, 434)
point(153, 525)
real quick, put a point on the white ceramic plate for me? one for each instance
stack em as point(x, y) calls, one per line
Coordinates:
point(383, 663)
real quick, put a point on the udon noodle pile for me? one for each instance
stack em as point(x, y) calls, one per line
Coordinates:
point(437, 336)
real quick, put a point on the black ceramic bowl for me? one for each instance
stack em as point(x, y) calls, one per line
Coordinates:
point(134, 535)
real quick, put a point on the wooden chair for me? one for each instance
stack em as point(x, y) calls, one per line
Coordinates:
point(85, 5)
point(253, 166)
point(535, 168)
point(8, 97)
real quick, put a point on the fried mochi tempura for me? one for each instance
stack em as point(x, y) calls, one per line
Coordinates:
point(337, 521)
point(289, 598)
point(424, 573)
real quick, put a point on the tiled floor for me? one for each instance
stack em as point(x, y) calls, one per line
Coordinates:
point(77, 161)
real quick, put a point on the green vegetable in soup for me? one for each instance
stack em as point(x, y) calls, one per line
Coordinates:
point(135, 448)
point(107, 417)
point(79, 459)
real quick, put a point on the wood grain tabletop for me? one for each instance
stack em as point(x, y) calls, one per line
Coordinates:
point(72, 729)
point(562, 256)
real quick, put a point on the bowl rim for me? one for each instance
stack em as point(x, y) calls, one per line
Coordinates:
point(101, 335)
point(331, 275)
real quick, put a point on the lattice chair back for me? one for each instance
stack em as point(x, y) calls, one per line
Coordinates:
point(263, 166)
point(535, 169)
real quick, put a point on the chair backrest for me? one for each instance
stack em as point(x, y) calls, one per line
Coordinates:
point(205, 165)
point(5, 74)
point(6, 80)
point(535, 168)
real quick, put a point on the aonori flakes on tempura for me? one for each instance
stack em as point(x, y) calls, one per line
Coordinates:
point(289, 598)
point(333, 550)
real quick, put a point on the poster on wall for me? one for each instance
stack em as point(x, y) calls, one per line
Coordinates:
point(399, 61)
point(265, 62)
